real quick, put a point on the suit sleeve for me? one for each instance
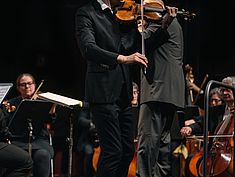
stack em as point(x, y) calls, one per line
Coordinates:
point(85, 35)
point(197, 126)
point(155, 36)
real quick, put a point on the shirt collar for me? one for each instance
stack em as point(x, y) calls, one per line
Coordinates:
point(103, 5)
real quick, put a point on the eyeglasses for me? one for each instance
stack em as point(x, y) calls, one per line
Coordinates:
point(215, 100)
point(135, 92)
point(24, 84)
point(224, 89)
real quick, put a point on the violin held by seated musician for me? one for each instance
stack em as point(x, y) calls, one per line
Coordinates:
point(8, 106)
point(129, 11)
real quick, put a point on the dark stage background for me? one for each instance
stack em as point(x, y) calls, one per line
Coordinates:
point(38, 37)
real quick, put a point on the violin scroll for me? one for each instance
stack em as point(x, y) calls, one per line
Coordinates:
point(9, 107)
point(188, 16)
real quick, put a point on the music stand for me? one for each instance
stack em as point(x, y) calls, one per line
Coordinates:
point(4, 89)
point(71, 104)
point(29, 118)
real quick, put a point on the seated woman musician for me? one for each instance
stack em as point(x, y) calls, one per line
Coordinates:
point(41, 150)
point(193, 126)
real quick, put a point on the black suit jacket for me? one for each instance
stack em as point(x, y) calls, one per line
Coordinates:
point(101, 38)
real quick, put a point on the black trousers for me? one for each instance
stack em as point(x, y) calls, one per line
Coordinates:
point(15, 160)
point(114, 123)
point(154, 144)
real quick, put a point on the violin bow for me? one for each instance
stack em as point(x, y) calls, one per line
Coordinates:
point(35, 93)
point(203, 83)
point(142, 33)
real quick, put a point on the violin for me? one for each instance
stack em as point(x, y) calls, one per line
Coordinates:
point(36, 96)
point(11, 108)
point(8, 106)
point(130, 11)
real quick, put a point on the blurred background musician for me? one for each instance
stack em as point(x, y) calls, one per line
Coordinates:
point(221, 105)
point(221, 108)
point(194, 93)
point(135, 108)
point(216, 99)
point(15, 161)
point(42, 151)
point(193, 145)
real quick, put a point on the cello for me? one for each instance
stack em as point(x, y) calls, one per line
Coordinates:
point(221, 155)
point(220, 149)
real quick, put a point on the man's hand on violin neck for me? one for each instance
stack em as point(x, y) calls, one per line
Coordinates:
point(172, 11)
point(169, 16)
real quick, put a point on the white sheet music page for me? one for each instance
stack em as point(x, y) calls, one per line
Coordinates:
point(4, 89)
point(61, 100)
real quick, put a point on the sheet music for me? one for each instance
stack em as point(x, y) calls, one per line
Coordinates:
point(4, 89)
point(61, 100)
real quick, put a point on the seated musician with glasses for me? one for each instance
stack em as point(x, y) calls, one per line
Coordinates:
point(42, 151)
point(221, 105)
point(194, 126)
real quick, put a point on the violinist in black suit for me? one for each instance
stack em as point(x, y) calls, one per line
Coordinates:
point(108, 46)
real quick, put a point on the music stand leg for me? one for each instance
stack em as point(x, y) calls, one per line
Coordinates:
point(70, 140)
point(52, 162)
point(30, 129)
